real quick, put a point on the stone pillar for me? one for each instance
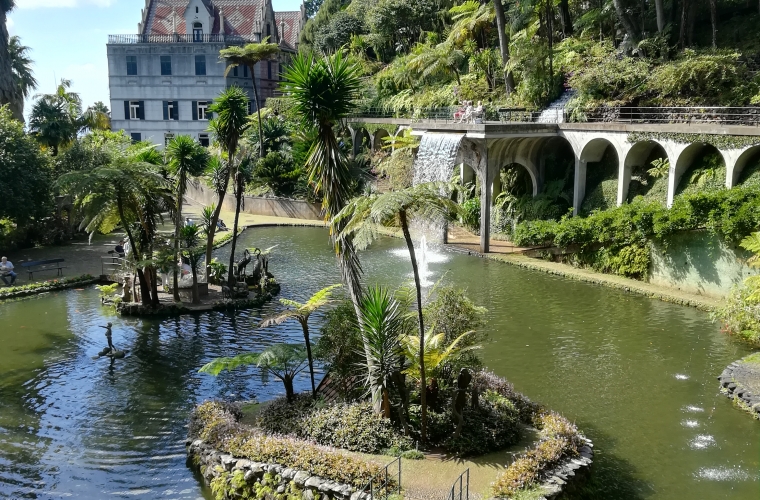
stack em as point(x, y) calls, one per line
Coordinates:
point(466, 174)
point(579, 185)
point(624, 180)
point(496, 186)
point(672, 184)
point(485, 210)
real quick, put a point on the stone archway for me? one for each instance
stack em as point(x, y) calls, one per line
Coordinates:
point(734, 176)
point(377, 139)
point(593, 151)
point(637, 157)
point(685, 160)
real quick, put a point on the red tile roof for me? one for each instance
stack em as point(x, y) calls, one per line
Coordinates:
point(241, 17)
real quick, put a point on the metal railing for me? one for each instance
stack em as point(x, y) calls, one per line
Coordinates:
point(664, 114)
point(386, 483)
point(748, 116)
point(460, 490)
point(180, 38)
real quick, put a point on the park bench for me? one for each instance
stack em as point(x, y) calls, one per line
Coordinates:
point(36, 266)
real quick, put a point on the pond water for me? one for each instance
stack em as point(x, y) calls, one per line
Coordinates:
point(637, 375)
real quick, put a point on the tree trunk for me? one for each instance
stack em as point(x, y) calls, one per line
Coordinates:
point(214, 220)
point(238, 199)
point(144, 290)
point(177, 228)
point(423, 384)
point(565, 19)
point(305, 325)
point(196, 296)
point(684, 23)
point(659, 7)
point(289, 392)
point(501, 27)
point(626, 21)
point(154, 287)
point(8, 92)
point(714, 22)
point(258, 109)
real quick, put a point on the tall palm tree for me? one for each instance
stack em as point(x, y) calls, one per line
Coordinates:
point(190, 236)
point(219, 172)
point(126, 191)
point(301, 312)
point(324, 91)
point(186, 158)
point(56, 118)
point(8, 89)
point(362, 218)
point(97, 117)
point(229, 124)
point(21, 65)
point(284, 361)
point(249, 56)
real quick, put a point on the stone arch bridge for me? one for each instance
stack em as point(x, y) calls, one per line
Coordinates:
point(486, 148)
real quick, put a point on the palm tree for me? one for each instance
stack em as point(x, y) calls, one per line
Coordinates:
point(436, 352)
point(56, 118)
point(324, 91)
point(97, 117)
point(21, 66)
point(249, 56)
point(186, 158)
point(284, 361)
point(301, 312)
point(382, 324)
point(362, 218)
point(190, 236)
point(443, 60)
point(126, 191)
point(229, 125)
point(8, 89)
point(219, 172)
point(471, 19)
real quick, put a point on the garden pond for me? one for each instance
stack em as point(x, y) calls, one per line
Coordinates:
point(638, 376)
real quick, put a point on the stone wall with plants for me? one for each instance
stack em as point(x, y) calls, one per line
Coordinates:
point(617, 240)
point(46, 286)
point(241, 462)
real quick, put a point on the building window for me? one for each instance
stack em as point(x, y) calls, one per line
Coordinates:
point(202, 110)
point(134, 110)
point(269, 70)
point(171, 110)
point(200, 65)
point(166, 65)
point(235, 71)
point(131, 65)
point(203, 139)
point(245, 71)
point(136, 136)
point(197, 32)
point(269, 30)
point(167, 139)
point(250, 107)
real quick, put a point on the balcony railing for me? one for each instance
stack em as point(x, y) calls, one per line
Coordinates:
point(179, 38)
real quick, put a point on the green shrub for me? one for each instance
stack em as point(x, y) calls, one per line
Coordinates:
point(217, 425)
point(279, 416)
point(352, 427)
point(470, 215)
point(740, 314)
point(44, 286)
point(340, 347)
point(560, 439)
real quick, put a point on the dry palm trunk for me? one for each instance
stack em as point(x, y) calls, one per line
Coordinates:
point(8, 91)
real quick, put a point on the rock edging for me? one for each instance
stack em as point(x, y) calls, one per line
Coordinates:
point(215, 465)
point(559, 479)
point(52, 287)
point(731, 386)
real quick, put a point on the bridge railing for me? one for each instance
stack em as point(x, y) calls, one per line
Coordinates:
point(447, 114)
point(641, 114)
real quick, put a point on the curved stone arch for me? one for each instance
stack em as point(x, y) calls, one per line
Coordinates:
point(685, 160)
point(377, 139)
point(592, 150)
point(745, 156)
point(522, 151)
point(358, 138)
point(636, 156)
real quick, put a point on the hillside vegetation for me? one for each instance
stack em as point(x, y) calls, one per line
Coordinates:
point(431, 53)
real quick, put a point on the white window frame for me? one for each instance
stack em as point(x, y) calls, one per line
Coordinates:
point(170, 110)
point(203, 110)
point(134, 110)
point(167, 138)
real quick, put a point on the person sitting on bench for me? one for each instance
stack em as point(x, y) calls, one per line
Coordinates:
point(221, 225)
point(6, 270)
point(119, 249)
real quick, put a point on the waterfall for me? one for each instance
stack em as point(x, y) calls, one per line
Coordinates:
point(422, 260)
point(555, 113)
point(435, 157)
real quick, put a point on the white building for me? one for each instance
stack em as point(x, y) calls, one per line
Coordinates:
point(163, 79)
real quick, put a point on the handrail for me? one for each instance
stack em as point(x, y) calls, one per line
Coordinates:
point(463, 483)
point(180, 38)
point(385, 486)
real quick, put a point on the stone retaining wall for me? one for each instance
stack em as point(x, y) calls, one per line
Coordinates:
point(566, 477)
point(255, 205)
point(731, 386)
point(214, 464)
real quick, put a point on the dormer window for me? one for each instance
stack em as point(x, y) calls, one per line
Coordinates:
point(196, 9)
point(197, 31)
